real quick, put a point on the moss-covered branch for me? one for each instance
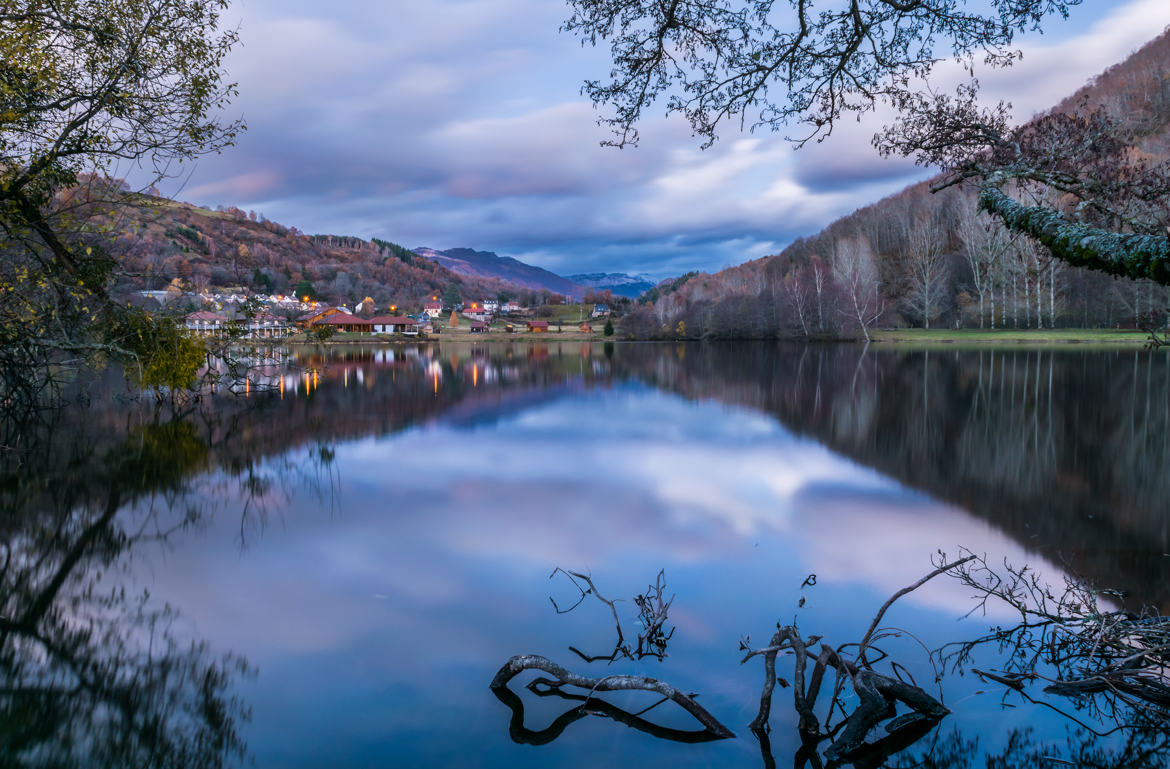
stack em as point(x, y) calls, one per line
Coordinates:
point(1128, 255)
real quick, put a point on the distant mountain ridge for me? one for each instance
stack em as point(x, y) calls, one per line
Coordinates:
point(486, 264)
point(621, 284)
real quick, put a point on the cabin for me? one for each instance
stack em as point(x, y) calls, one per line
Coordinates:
point(601, 311)
point(390, 324)
point(479, 327)
point(538, 326)
point(433, 309)
point(314, 317)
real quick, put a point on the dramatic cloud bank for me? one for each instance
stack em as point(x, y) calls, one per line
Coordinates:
point(459, 123)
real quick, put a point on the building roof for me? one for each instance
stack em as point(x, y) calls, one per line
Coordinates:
point(314, 313)
point(205, 315)
point(393, 320)
point(433, 305)
point(538, 324)
point(479, 324)
point(345, 319)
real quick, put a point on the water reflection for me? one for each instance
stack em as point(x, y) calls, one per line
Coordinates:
point(94, 675)
point(373, 537)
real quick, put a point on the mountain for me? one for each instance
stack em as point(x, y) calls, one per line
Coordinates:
point(485, 264)
point(805, 290)
point(160, 240)
point(619, 283)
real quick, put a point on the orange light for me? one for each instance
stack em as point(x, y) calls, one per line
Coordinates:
point(305, 298)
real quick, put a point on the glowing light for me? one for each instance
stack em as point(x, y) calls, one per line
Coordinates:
point(475, 376)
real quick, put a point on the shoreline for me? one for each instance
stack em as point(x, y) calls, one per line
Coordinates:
point(884, 338)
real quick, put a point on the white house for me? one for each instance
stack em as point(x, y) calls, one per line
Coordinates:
point(476, 311)
point(205, 323)
point(433, 309)
point(387, 324)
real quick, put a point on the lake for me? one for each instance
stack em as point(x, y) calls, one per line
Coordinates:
point(329, 568)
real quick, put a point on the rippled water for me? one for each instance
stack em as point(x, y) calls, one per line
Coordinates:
point(372, 530)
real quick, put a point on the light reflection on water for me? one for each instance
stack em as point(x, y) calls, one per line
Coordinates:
point(377, 609)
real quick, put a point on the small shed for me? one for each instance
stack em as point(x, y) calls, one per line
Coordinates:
point(538, 326)
point(585, 328)
point(479, 327)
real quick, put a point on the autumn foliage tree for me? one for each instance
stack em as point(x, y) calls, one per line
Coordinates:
point(90, 89)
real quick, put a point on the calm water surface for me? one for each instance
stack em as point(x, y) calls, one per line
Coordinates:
point(336, 566)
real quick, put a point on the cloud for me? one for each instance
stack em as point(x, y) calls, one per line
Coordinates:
point(458, 123)
point(246, 186)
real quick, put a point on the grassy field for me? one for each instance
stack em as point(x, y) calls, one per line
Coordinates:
point(987, 337)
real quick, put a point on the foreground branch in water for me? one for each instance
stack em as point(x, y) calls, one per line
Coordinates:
point(652, 614)
point(1113, 660)
point(877, 693)
point(564, 677)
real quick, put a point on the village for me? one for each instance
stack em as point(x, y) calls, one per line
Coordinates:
point(255, 318)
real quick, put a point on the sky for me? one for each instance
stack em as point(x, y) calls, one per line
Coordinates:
point(460, 123)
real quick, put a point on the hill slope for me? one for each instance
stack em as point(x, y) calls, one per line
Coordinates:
point(804, 291)
point(162, 240)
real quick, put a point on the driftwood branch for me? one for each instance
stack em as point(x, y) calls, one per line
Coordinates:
point(877, 694)
point(564, 677)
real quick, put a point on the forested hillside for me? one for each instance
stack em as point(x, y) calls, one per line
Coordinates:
point(160, 241)
point(923, 259)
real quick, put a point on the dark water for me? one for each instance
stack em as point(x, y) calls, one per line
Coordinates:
point(329, 571)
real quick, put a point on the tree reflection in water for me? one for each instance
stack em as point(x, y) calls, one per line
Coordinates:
point(91, 675)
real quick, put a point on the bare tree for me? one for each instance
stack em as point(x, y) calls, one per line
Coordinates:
point(927, 269)
point(796, 292)
point(985, 242)
point(856, 272)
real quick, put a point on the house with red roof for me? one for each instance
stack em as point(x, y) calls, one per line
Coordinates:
point(343, 321)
